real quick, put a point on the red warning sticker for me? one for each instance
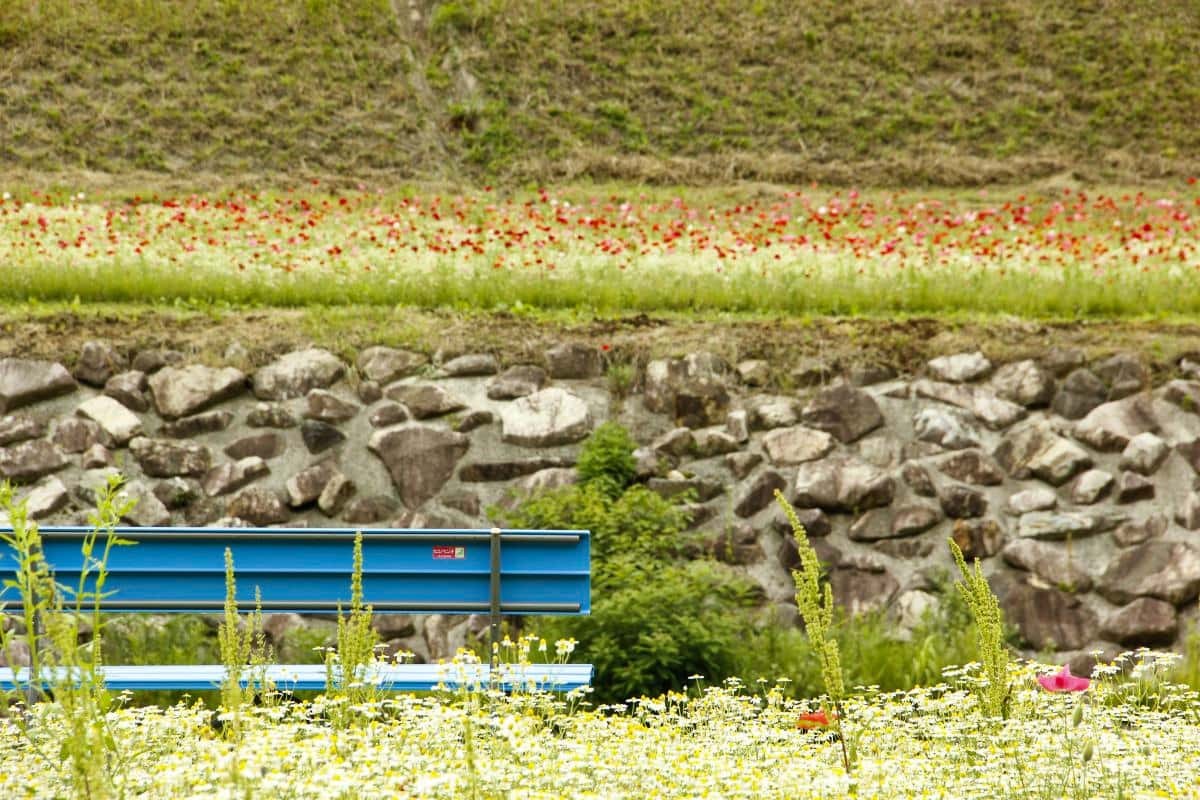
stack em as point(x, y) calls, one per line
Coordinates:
point(448, 551)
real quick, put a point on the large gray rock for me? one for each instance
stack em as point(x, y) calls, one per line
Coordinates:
point(1024, 382)
point(1134, 532)
point(30, 460)
point(19, 428)
point(320, 436)
point(977, 538)
point(550, 417)
point(994, 411)
point(264, 445)
point(1047, 618)
point(424, 400)
point(233, 475)
point(129, 389)
point(1132, 487)
point(946, 427)
point(508, 469)
point(387, 364)
point(573, 361)
point(1145, 621)
point(971, 466)
point(337, 493)
point(961, 502)
point(960, 367)
point(116, 420)
point(710, 442)
point(259, 506)
point(197, 424)
point(1038, 498)
point(1058, 525)
point(1091, 486)
point(760, 493)
point(1111, 426)
point(1052, 563)
point(147, 510)
point(74, 435)
point(767, 412)
point(990, 409)
point(306, 486)
point(702, 489)
point(1036, 450)
point(167, 458)
point(47, 497)
point(1188, 513)
point(1185, 394)
point(296, 374)
point(516, 381)
point(844, 411)
point(24, 381)
point(98, 361)
point(324, 406)
point(860, 591)
point(1167, 570)
point(692, 390)
point(1124, 373)
point(151, 361)
point(918, 479)
point(180, 391)
point(470, 365)
point(1079, 394)
point(796, 445)
point(1144, 453)
point(419, 458)
point(842, 483)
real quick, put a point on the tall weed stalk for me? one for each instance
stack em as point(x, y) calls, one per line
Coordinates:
point(60, 668)
point(815, 601)
point(348, 679)
point(995, 692)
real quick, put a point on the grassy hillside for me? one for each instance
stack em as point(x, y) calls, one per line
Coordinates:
point(846, 91)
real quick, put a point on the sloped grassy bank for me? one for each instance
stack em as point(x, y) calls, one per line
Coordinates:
point(866, 91)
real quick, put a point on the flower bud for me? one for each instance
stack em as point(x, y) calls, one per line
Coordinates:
point(1088, 752)
point(1077, 718)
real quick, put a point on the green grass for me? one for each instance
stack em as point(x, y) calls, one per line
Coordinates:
point(856, 91)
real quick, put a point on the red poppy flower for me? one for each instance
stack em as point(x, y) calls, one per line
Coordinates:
point(813, 719)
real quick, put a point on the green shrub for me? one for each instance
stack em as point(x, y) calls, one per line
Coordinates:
point(607, 459)
point(653, 626)
point(638, 523)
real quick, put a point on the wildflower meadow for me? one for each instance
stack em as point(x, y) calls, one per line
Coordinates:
point(1069, 252)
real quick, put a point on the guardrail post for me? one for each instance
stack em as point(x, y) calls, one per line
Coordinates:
point(494, 604)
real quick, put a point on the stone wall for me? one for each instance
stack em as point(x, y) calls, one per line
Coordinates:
point(1076, 483)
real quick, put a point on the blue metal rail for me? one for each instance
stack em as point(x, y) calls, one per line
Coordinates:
point(308, 570)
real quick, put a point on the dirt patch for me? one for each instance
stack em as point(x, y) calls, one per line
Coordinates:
point(252, 338)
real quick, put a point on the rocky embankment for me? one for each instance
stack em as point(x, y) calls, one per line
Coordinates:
point(1076, 483)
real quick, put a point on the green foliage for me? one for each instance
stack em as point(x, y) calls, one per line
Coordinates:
point(638, 524)
point(654, 620)
point(654, 625)
point(995, 692)
point(872, 654)
point(606, 459)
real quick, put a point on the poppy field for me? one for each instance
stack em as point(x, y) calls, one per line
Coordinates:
point(1060, 253)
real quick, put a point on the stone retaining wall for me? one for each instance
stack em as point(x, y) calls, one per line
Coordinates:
point(1075, 483)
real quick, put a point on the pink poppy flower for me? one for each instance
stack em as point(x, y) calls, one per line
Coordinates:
point(1064, 681)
